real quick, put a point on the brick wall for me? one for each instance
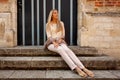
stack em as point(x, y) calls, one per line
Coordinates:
point(103, 5)
point(106, 3)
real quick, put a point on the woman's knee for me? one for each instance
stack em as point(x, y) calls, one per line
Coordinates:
point(65, 47)
point(53, 48)
point(59, 49)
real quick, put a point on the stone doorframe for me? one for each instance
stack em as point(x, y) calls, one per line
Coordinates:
point(8, 23)
point(80, 23)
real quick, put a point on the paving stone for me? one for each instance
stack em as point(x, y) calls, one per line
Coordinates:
point(61, 74)
point(6, 73)
point(28, 74)
point(2, 58)
point(68, 74)
point(56, 75)
point(116, 73)
point(104, 74)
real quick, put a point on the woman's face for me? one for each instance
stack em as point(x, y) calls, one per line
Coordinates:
point(55, 14)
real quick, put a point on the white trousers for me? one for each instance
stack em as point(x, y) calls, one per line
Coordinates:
point(68, 55)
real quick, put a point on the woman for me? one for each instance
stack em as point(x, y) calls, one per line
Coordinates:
point(55, 42)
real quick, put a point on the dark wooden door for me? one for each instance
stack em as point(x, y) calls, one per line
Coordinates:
point(32, 16)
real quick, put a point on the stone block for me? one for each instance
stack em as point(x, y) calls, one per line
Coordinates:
point(6, 73)
point(115, 33)
point(7, 34)
point(58, 75)
point(28, 74)
point(96, 62)
point(2, 30)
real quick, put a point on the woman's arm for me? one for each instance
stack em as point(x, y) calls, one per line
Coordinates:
point(63, 33)
point(48, 31)
point(63, 30)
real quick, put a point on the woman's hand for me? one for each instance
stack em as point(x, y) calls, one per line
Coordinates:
point(55, 44)
point(60, 40)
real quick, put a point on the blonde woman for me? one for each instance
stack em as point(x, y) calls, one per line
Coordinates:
point(55, 42)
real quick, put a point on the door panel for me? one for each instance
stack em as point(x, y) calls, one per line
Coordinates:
point(32, 16)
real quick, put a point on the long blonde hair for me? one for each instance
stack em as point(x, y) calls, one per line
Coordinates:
point(59, 25)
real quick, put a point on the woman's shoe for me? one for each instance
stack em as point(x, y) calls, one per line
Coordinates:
point(88, 72)
point(80, 72)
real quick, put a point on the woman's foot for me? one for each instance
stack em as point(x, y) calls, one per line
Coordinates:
point(80, 72)
point(88, 72)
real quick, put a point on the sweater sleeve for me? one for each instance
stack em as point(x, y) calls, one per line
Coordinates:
point(49, 35)
point(48, 31)
point(63, 28)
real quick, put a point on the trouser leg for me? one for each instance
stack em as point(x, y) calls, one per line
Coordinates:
point(64, 55)
point(73, 56)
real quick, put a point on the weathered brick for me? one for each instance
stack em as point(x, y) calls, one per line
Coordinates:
point(107, 3)
point(4, 1)
point(99, 4)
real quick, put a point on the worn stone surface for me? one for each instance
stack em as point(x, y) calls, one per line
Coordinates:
point(39, 51)
point(16, 62)
point(117, 73)
point(8, 24)
point(101, 27)
point(28, 74)
point(55, 75)
point(105, 74)
point(5, 23)
point(103, 32)
point(2, 29)
point(6, 73)
point(55, 63)
point(61, 74)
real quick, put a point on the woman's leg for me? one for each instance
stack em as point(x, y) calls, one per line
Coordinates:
point(63, 54)
point(76, 60)
point(67, 59)
point(73, 56)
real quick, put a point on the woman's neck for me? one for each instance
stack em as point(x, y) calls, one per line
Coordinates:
point(54, 21)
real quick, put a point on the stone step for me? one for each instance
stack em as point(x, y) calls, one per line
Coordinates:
point(56, 75)
point(103, 62)
point(39, 51)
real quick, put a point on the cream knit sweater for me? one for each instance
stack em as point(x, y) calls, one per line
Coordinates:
point(51, 32)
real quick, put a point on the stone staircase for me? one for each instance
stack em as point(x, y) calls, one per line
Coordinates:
point(33, 63)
